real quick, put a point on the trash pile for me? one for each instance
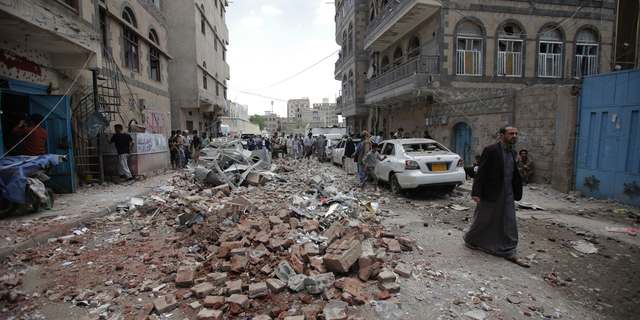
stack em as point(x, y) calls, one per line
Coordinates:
point(236, 237)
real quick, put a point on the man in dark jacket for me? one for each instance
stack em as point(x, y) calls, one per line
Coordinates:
point(349, 150)
point(496, 187)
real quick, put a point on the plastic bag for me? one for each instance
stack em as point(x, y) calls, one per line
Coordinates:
point(388, 310)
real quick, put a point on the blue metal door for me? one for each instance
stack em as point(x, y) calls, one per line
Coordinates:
point(58, 127)
point(463, 141)
point(608, 147)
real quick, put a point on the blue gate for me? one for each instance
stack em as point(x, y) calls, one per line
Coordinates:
point(608, 147)
point(463, 142)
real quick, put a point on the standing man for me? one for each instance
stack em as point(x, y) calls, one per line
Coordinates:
point(283, 146)
point(186, 145)
point(370, 163)
point(173, 152)
point(124, 145)
point(290, 146)
point(379, 137)
point(34, 144)
point(205, 140)
point(399, 134)
point(525, 166)
point(365, 147)
point(308, 146)
point(251, 144)
point(196, 142)
point(427, 135)
point(321, 145)
point(349, 150)
point(496, 187)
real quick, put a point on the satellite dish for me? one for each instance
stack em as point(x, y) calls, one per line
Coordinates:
point(370, 72)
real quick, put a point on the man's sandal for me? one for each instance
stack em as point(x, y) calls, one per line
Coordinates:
point(470, 246)
point(518, 261)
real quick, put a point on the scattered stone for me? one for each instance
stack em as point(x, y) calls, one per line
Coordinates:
point(165, 304)
point(335, 310)
point(514, 298)
point(403, 270)
point(319, 283)
point(296, 282)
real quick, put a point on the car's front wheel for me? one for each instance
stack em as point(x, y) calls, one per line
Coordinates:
point(394, 184)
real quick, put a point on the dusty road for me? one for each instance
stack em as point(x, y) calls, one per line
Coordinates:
point(125, 260)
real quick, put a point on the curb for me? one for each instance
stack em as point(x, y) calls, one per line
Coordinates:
point(62, 229)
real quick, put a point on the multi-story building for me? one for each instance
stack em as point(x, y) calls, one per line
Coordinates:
point(461, 69)
point(199, 70)
point(239, 111)
point(295, 107)
point(321, 114)
point(58, 57)
point(328, 111)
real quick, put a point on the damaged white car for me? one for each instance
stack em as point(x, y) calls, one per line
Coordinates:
point(413, 163)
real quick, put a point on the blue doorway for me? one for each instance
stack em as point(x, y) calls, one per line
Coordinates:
point(463, 141)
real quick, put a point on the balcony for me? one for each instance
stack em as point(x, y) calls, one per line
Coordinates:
point(337, 73)
point(395, 20)
point(402, 79)
point(339, 105)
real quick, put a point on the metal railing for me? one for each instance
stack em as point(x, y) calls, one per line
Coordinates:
point(549, 65)
point(469, 63)
point(389, 10)
point(421, 64)
point(509, 64)
point(586, 65)
point(339, 63)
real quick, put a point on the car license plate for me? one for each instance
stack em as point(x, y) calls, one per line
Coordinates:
point(439, 167)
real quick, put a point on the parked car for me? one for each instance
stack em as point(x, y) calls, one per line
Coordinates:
point(331, 145)
point(413, 163)
point(337, 156)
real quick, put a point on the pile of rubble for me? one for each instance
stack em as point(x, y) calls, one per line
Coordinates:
point(295, 248)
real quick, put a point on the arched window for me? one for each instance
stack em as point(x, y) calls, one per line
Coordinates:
point(204, 64)
point(203, 24)
point(131, 46)
point(397, 57)
point(550, 53)
point(344, 44)
point(154, 57)
point(364, 124)
point(350, 44)
point(509, 62)
point(128, 16)
point(384, 3)
point(345, 88)
point(153, 36)
point(586, 60)
point(384, 66)
point(351, 86)
point(414, 48)
point(469, 51)
point(202, 6)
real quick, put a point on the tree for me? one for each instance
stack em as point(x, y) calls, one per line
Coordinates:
point(257, 119)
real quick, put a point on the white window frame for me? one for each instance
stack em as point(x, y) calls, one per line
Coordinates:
point(476, 58)
point(591, 60)
point(556, 58)
point(516, 60)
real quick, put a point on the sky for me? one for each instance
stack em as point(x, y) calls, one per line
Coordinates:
point(270, 41)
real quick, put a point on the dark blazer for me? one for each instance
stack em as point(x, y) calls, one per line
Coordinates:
point(349, 148)
point(487, 183)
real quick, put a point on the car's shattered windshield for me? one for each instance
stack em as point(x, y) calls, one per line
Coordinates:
point(422, 147)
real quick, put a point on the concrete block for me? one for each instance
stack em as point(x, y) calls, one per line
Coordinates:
point(341, 260)
point(257, 290)
point(239, 264)
point(210, 314)
point(386, 277)
point(352, 286)
point(335, 310)
point(296, 282)
point(214, 302)
point(390, 287)
point(202, 290)
point(184, 276)
point(284, 271)
point(319, 283)
point(403, 270)
point(239, 299)
point(275, 285)
point(234, 287)
point(165, 304)
point(217, 278)
point(223, 188)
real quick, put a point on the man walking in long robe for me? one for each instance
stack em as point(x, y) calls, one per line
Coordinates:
point(496, 187)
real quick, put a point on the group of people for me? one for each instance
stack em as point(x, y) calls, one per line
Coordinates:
point(290, 146)
point(181, 147)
